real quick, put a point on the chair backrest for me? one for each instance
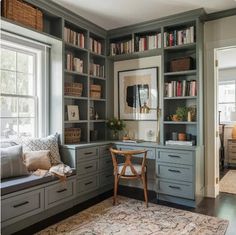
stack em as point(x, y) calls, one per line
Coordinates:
point(128, 154)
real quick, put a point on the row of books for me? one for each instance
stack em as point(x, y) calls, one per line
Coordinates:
point(121, 48)
point(74, 63)
point(180, 88)
point(95, 46)
point(179, 37)
point(73, 37)
point(148, 42)
point(97, 70)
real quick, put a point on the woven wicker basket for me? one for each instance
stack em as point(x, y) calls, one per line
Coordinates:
point(72, 135)
point(73, 89)
point(23, 13)
point(181, 64)
point(95, 91)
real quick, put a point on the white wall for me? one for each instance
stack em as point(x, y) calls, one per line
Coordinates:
point(136, 129)
point(217, 34)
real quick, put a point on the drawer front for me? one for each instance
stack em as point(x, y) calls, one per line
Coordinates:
point(150, 154)
point(178, 157)
point(106, 178)
point(22, 205)
point(104, 150)
point(175, 173)
point(232, 142)
point(232, 159)
point(175, 189)
point(87, 185)
point(232, 148)
point(106, 163)
point(59, 192)
point(87, 167)
point(86, 153)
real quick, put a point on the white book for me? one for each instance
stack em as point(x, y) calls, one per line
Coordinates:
point(178, 142)
point(192, 34)
point(159, 40)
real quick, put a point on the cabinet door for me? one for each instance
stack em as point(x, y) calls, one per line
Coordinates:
point(22, 206)
point(106, 178)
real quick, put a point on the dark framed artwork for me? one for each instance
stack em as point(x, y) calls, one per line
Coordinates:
point(138, 94)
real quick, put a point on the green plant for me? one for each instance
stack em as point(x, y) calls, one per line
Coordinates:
point(115, 124)
point(182, 113)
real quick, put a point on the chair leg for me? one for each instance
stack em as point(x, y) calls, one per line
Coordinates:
point(144, 179)
point(115, 189)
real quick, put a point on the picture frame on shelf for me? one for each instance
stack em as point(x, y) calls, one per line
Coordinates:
point(138, 94)
point(73, 113)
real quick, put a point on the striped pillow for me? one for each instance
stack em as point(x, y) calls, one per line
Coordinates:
point(12, 162)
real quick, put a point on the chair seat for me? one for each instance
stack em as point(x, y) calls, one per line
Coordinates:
point(137, 167)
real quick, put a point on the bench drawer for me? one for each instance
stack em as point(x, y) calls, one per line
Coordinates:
point(106, 178)
point(175, 173)
point(87, 167)
point(175, 189)
point(23, 205)
point(104, 150)
point(179, 157)
point(88, 184)
point(59, 192)
point(86, 153)
point(150, 154)
point(105, 163)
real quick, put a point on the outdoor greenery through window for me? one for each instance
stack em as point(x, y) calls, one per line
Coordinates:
point(227, 100)
point(18, 98)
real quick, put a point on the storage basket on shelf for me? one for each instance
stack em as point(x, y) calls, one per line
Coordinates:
point(73, 89)
point(181, 64)
point(72, 135)
point(95, 91)
point(23, 13)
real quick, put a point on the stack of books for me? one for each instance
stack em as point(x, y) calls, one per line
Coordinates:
point(147, 42)
point(97, 70)
point(95, 46)
point(180, 88)
point(179, 37)
point(73, 37)
point(74, 63)
point(178, 142)
point(119, 48)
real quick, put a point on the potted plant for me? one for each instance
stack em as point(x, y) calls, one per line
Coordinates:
point(182, 113)
point(115, 125)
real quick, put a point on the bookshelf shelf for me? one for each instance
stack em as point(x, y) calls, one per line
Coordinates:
point(101, 100)
point(180, 98)
point(75, 97)
point(97, 55)
point(75, 73)
point(181, 47)
point(73, 46)
point(99, 120)
point(96, 77)
point(188, 72)
point(179, 123)
point(74, 122)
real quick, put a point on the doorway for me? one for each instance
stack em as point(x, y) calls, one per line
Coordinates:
point(226, 120)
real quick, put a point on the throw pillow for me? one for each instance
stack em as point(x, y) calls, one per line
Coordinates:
point(35, 160)
point(47, 143)
point(12, 162)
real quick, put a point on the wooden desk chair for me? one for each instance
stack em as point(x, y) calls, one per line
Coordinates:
point(128, 170)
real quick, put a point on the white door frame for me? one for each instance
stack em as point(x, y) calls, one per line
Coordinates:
point(211, 116)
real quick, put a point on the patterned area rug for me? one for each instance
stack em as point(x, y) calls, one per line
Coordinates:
point(131, 217)
point(228, 182)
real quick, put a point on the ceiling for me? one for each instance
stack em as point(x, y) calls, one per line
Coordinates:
point(111, 14)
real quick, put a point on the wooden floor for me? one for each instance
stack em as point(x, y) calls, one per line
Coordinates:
point(224, 206)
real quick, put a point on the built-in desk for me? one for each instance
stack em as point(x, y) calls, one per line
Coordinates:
point(176, 173)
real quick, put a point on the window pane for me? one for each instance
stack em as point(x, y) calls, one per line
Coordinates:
point(26, 127)
point(8, 128)
point(25, 84)
point(8, 106)
point(26, 107)
point(226, 110)
point(8, 82)
point(227, 92)
point(24, 63)
point(8, 59)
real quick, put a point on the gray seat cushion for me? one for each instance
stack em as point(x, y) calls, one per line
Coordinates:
point(12, 185)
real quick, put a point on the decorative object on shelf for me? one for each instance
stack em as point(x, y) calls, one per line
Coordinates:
point(115, 125)
point(72, 135)
point(138, 94)
point(91, 113)
point(193, 112)
point(95, 91)
point(182, 113)
point(97, 70)
point(23, 13)
point(73, 89)
point(174, 136)
point(182, 136)
point(73, 112)
point(73, 63)
point(96, 116)
point(93, 135)
point(233, 118)
point(181, 64)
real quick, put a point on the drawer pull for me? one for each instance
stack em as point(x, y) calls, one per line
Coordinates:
point(62, 190)
point(87, 153)
point(175, 171)
point(87, 167)
point(174, 187)
point(21, 204)
point(174, 156)
point(90, 182)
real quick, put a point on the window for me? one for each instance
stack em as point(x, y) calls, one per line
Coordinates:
point(20, 87)
point(227, 99)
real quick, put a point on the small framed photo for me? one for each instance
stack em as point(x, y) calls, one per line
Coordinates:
point(73, 112)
